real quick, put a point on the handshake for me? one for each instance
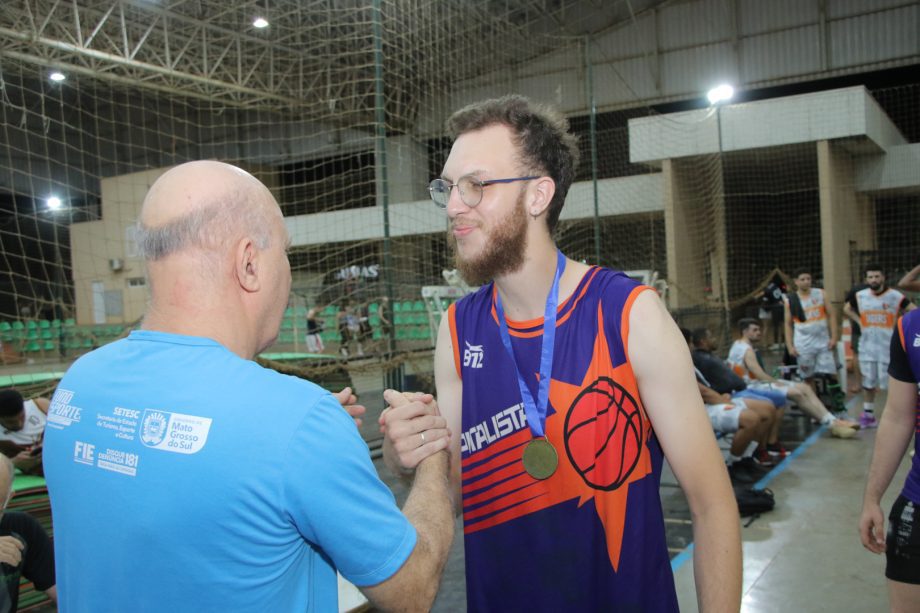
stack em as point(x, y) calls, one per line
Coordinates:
point(411, 424)
point(413, 430)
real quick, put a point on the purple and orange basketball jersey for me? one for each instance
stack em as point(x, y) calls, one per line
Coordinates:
point(591, 537)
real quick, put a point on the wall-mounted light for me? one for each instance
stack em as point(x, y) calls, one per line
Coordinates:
point(720, 93)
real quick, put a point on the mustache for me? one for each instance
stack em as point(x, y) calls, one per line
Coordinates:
point(464, 223)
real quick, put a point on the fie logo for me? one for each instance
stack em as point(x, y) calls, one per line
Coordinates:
point(472, 355)
point(84, 453)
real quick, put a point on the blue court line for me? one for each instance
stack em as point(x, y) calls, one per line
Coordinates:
point(687, 554)
point(678, 560)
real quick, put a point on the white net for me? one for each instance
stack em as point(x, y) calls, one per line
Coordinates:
point(339, 108)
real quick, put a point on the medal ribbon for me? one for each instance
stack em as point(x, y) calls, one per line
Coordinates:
point(536, 411)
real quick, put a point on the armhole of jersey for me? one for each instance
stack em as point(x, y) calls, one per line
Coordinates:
point(624, 318)
point(901, 333)
point(452, 323)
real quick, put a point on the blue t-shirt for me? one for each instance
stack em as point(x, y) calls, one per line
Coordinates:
point(184, 477)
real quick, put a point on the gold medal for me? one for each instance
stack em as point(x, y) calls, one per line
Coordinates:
point(540, 459)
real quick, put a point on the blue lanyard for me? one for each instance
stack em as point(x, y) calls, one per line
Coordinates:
point(536, 411)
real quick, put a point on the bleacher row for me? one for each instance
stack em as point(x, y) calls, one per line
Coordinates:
point(410, 319)
point(48, 337)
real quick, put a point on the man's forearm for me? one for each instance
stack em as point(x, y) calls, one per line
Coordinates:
point(717, 559)
point(429, 508)
point(886, 457)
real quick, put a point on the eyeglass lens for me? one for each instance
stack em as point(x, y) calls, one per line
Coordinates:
point(470, 191)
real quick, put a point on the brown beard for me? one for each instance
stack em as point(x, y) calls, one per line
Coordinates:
point(503, 252)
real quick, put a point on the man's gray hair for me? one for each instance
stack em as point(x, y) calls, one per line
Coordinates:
point(206, 227)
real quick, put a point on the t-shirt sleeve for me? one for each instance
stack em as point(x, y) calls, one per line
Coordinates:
point(899, 364)
point(852, 301)
point(338, 502)
point(38, 565)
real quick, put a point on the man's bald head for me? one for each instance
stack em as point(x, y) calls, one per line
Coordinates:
point(203, 205)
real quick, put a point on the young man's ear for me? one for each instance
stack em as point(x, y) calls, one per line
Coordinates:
point(541, 194)
point(246, 265)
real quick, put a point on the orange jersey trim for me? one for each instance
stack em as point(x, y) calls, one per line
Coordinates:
point(452, 322)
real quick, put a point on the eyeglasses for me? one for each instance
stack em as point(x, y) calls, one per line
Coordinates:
point(470, 189)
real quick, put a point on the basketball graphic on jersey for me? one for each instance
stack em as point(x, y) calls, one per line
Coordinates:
point(603, 434)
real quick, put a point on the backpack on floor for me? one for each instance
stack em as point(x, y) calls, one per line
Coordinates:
point(754, 502)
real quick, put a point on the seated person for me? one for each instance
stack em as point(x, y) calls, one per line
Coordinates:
point(25, 549)
point(723, 380)
point(743, 360)
point(751, 421)
point(22, 428)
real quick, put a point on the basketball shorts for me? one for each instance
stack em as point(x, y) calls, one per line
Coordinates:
point(812, 362)
point(774, 392)
point(903, 543)
point(874, 374)
point(724, 417)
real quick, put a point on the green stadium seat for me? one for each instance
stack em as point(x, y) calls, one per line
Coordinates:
point(72, 342)
point(418, 306)
point(287, 323)
point(5, 326)
point(289, 312)
point(44, 323)
point(330, 310)
point(49, 346)
point(47, 334)
point(32, 347)
point(32, 335)
point(31, 325)
point(70, 322)
point(55, 323)
point(17, 325)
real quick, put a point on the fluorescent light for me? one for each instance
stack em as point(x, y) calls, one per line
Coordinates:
point(57, 76)
point(54, 203)
point(260, 22)
point(720, 93)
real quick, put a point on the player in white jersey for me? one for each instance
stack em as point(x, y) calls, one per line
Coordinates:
point(811, 328)
point(877, 310)
point(743, 361)
point(22, 428)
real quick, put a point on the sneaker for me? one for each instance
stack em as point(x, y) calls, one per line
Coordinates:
point(777, 451)
point(740, 476)
point(763, 457)
point(753, 467)
point(842, 431)
point(867, 420)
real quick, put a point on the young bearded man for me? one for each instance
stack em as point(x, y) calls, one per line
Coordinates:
point(877, 310)
point(811, 328)
point(744, 361)
point(561, 386)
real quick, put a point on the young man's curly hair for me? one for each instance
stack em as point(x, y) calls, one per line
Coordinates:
point(540, 132)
